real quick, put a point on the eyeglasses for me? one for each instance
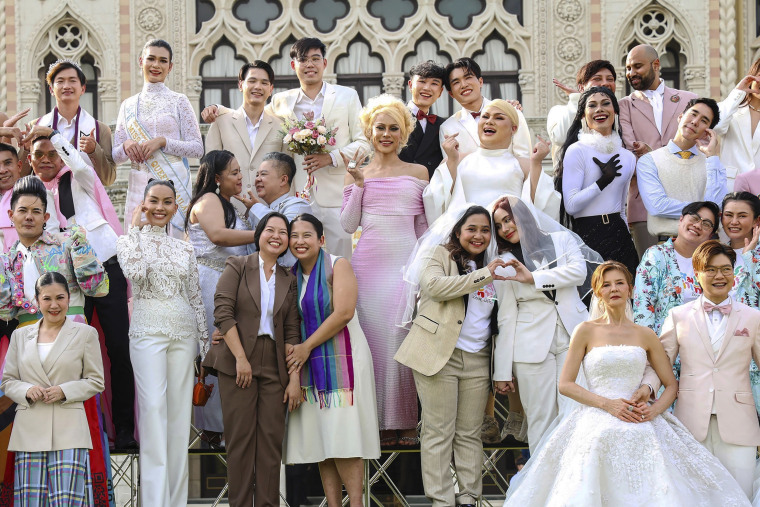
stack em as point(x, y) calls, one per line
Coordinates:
point(726, 271)
point(51, 155)
point(705, 223)
point(315, 60)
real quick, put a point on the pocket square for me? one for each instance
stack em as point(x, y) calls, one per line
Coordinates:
point(741, 332)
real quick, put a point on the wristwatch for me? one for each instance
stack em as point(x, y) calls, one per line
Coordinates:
point(54, 132)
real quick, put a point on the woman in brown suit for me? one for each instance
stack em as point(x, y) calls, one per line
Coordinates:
point(255, 309)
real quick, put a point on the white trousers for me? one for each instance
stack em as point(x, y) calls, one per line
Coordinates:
point(537, 384)
point(337, 241)
point(164, 377)
point(739, 460)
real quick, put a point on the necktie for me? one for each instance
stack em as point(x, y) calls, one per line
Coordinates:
point(684, 154)
point(724, 309)
point(429, 117)
point(476, 115)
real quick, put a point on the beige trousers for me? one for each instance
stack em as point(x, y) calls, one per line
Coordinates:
point(739, 460)
point(453, 401)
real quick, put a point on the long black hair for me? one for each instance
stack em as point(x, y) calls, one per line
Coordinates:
point(454, 246)
point(213, 163)
point(572, 138)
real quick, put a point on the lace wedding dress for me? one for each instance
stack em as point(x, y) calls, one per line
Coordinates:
point(595, 459)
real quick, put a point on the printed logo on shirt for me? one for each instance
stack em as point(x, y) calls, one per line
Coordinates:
point(486, 294)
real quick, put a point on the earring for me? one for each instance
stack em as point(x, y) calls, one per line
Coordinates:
point(217, 189)
point(617, 124)
point(44, 226)
point(584, 126)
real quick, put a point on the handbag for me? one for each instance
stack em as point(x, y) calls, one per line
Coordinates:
point(201, 391)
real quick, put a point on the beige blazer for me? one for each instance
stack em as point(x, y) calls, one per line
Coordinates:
point(739, 147)
point(435, 331)
point(75, 364)
point(707, 377)
point(637, 123)
point(341, 108)
point(230, 132)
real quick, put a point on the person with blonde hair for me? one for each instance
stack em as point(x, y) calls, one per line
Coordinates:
point(492, 170)
point(385, 199)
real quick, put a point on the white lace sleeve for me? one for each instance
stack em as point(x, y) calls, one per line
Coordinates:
point(130, 256)
point(193, 288)
point(190, 144)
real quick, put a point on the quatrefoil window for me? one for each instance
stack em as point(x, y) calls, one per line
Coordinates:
point(324, 13)
point(257, 13)
point(460, 13)
point(392, 12)
point(69, 38)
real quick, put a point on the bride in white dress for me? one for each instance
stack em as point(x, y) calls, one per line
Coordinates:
point(610, 451)
point(491, 171)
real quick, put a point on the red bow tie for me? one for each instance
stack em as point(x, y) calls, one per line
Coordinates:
point(429, 117)
point(476, 115)
point(724, 309)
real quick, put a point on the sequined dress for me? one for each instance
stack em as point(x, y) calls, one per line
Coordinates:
point(595, 459)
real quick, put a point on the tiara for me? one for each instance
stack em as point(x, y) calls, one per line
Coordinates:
point(63, 60)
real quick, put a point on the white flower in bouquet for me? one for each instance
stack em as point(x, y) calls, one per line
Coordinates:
point(321, 140)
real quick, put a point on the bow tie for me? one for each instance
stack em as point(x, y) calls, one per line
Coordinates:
point(476, 115)
point(724, 309)
point(429, 117)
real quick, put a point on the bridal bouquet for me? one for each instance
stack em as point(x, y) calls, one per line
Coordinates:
point(308, 137)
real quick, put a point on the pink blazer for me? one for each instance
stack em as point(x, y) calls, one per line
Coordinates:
point(637, 123)
point(707, 377)
point(748, 182)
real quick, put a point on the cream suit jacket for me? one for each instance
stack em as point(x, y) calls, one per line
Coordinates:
point(74, 363)
point(637, 123)
point(707, 377)
point(527, 318)
point(435, 331)
point(230, 132)
point(341, 108)
point(739, 147)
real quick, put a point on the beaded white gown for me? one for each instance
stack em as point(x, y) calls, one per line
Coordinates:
point(595, 459)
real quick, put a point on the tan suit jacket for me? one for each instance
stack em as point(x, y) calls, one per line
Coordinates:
point(637, 123)
point(230, 132)
point(341, 108)
point(238, 303)
point(75, 364)
point(707, 378)
point(435, 331)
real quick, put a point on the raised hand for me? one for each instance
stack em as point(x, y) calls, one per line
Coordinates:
point(87, 143)
point(709, 144)
point(610, 170)
point(450, 146)
point(522, 274)
point(641, 148)
point(11, 122)
point(516, 104)
point(540, 150)
point(248, 200)
point(13, 132)
point(751, 244)
point(745, 85)
point(209, 113)
point(354, 166)
point(563, 87)
point(137, 218)
point(493, 265)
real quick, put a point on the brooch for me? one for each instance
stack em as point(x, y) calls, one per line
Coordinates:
point(675, 98)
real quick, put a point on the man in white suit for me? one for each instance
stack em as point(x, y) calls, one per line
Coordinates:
point(249, 132)
point(716, 337)
point(464, 82)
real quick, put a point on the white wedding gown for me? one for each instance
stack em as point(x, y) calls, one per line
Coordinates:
point(595, 459)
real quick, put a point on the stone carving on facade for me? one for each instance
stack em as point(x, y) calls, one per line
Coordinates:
point(394, 84)
point(150, 19)
point(570, 29)
point(728, 73)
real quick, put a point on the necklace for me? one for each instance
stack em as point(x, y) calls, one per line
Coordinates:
point(753, 107)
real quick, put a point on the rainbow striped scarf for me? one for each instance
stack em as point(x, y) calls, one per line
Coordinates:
point(328, 375)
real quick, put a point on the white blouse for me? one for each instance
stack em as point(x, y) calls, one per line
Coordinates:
point(164, 275)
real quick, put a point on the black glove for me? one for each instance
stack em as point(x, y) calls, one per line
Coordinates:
point(610, 170)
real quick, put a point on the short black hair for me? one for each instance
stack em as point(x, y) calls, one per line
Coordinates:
point(428, 69)
point(63, 65)
point(158, 43)
point(709, 103)
point(262, 225)
point(284, 163)
point(11, 149)
point(468, 64)
point(29, 185)
point(301, 47)
point(256, 64)
point(694, 207)
point(587, 71)
point(50, 278)
point(748, 197)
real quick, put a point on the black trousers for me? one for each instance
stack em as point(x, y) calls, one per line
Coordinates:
point(113, 315)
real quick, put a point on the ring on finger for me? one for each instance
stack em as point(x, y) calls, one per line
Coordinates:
point(630, 408)
point(352, 164)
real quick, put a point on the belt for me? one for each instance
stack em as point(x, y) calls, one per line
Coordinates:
point(605, 219)
point(110, 262)
point(27, 317)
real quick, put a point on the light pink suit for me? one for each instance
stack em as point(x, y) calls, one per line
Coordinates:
point(748, 182)
point(638, 124)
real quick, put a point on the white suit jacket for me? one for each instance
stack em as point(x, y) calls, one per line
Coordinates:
point(527, 317)
point(708, 378)
point(740, 147)
point(341, 109)
point(74, 363)
point(468, 133)
point(230, 132)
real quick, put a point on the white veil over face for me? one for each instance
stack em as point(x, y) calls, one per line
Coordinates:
point(537, 248)
point(438, 234)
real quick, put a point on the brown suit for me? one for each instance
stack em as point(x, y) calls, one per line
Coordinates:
point(254, 444)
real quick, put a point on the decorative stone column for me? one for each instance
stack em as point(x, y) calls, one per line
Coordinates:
point(29, 96)
point(393, 83)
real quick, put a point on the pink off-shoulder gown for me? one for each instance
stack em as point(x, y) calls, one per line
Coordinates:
point(392, 217)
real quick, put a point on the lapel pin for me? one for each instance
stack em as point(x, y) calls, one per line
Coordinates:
point(675, 98)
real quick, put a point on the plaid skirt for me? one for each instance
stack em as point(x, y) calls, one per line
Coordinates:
point(52, 478)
